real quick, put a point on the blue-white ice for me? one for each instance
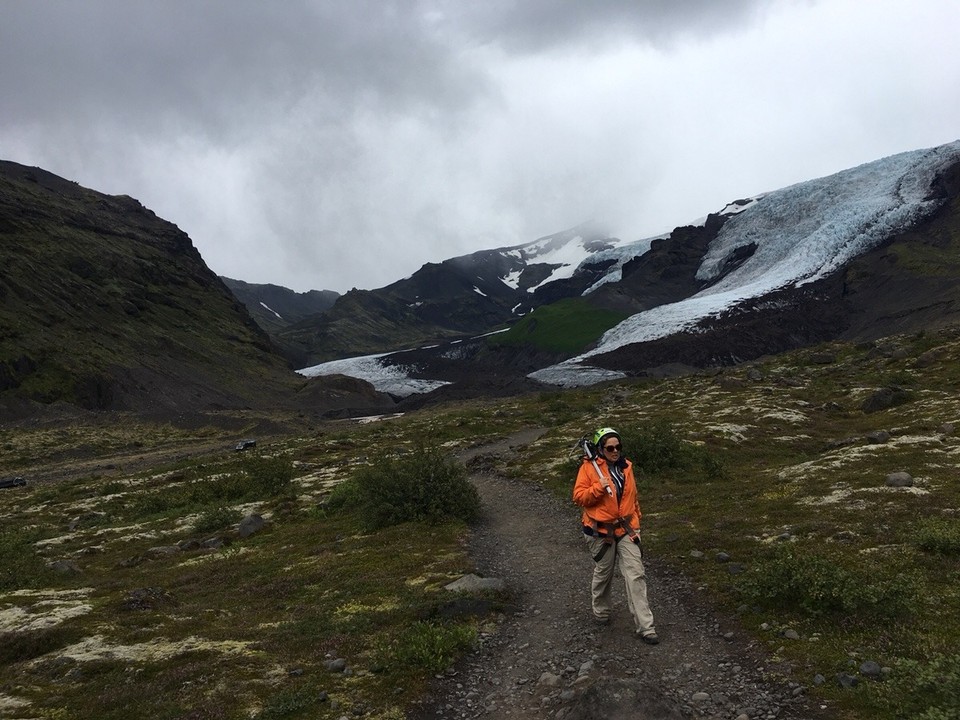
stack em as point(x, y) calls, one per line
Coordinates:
point(802, 233)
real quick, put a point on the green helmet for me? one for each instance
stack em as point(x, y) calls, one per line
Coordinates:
point(603, 432)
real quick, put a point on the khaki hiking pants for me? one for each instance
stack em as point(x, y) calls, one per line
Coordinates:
point(626, 556)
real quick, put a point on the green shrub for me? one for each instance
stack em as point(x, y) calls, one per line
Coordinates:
point(940, 536)
point(21, 646)
point(253, 477)
point(155, 503)
point(430, 646)
point(925, 690)
point(20, 566)
point(216, 519)
point(425, 486)
point(293, 702)
point(656, 448)
point(267, 476)
point(802, 581)
point(109, 488)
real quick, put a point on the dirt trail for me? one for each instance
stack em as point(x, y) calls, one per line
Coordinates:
point(548, 659)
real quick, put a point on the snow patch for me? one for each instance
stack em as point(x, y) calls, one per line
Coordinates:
point(270, 309)
point(393, 379)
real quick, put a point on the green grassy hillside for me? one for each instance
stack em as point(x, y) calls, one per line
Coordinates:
point(566, 327)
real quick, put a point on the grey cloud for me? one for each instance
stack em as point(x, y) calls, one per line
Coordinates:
point(209, 64)
point(535, 25)
point(339, 143)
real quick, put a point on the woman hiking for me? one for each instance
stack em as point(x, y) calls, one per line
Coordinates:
point(607, 492)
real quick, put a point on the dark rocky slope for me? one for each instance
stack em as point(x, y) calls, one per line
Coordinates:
point(105, 306)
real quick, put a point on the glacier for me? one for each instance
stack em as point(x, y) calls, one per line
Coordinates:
point(802, 233)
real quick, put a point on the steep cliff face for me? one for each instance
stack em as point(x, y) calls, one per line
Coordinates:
point(106, 306)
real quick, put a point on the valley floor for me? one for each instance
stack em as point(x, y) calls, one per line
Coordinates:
point(548, 659)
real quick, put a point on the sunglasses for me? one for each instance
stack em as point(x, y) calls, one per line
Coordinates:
point(612, 448)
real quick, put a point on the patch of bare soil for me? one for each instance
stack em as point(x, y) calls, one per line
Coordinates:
point(548, 659)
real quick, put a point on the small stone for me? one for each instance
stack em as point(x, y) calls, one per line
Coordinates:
point(163, 550)
point(337, 665)
point(64, 567)
point(251, 524)
point(845, 680)
point(870, 669)
point(548, 679)
point(474, 583)
point(790, 634)
point(899, 479)
point(696, 554)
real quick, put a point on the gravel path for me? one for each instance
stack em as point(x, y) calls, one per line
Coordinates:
point(547, 659)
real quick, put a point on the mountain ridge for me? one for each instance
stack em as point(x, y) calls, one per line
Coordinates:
point(836, 229)
point(107, 306)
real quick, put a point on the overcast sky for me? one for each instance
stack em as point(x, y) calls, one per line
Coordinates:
point(323, 144)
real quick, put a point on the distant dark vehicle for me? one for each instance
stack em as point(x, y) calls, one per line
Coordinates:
point(245, 445)
point(13, 482)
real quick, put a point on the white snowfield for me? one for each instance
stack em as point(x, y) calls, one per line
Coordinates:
point(801, 233)
point(392, 379)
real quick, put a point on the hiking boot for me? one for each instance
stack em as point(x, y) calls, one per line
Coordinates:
point(597, 620)
point(650, 639)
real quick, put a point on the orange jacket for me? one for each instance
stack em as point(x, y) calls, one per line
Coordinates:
point(599, 506)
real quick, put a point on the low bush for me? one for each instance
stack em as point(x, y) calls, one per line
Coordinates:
point(254, 477)
point(216, 519)
point(21, 646)
point(430, 646)
point(656, 448)
point(925, 690)
point(802, 581)
point(294, 702)
point(425, 486)
point(20, 566)
point(940, 536)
